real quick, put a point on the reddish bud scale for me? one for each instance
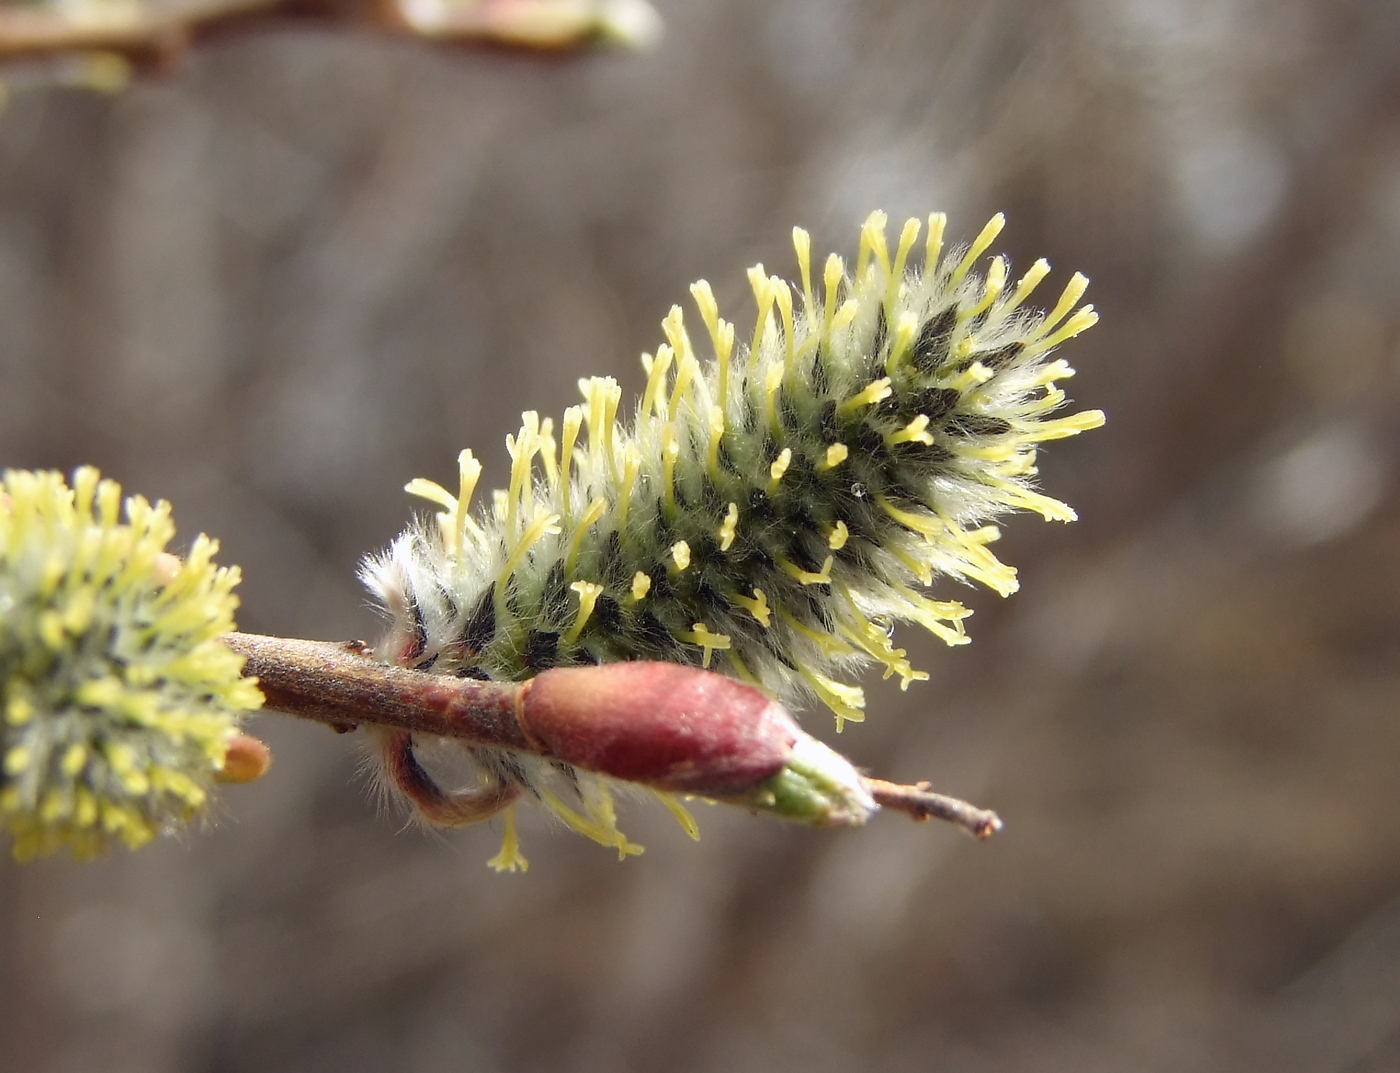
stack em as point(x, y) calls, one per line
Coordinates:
point(672, 727)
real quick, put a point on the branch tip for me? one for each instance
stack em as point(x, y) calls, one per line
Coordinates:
point(920, 802)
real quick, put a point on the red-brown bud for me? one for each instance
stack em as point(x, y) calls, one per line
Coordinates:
point(675, 728)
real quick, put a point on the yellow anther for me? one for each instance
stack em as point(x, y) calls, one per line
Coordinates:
point(680, 554)
point(728, 528)
point(641, 585)
point(74, 757)
point(835, 455)
point(933, 245)
point(916, 430)
point(19, 709)
point(778, 468)
point(836, 539)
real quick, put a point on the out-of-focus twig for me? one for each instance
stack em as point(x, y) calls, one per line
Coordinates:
point(152, 36)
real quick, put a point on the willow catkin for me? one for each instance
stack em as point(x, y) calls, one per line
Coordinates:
point(117, 700)
point(776, 503)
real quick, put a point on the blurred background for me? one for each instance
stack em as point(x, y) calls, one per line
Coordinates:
point(306, 267)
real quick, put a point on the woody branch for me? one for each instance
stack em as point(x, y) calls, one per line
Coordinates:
point(338, 685)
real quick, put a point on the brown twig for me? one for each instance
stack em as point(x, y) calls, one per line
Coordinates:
point(922, 803)
point(338, 685)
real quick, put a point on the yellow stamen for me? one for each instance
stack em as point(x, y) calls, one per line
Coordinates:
point(904, 330)
point(828, 644)
point(686, 371)
point(600, 833)
point(590, 517)
point(875, 391)
point(670, 451)
point(847, 313)
point(431, 491)
point(873, 244)
point(846, 701)
point(712, 448)
point(568, 436)
point(763, 296)
point(588, 593)
point(907, 237)
point(510, 859)
point(468, 473)
point(1026, 284)
point(541, 524)
point(656, 382)
point(757, 605)
point(1063, 427)
point(631, 463)
point(700, 635)
point(680, 812)
point(996, 283)
point(1083, 319)
point(782, 295)
point(806, 577)
point(1069, 298)
point(832, 275)
point(772, 383)
point(802, 244)
point(979, 246)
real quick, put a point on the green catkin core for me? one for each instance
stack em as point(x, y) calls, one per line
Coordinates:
point(772, 510)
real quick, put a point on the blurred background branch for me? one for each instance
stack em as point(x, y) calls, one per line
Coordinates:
point(151, 35)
